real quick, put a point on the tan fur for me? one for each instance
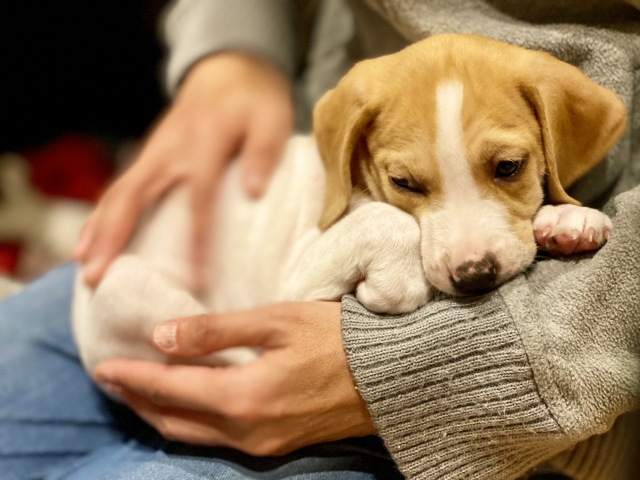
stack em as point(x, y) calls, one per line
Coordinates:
point(580, 121)
point(380, 121)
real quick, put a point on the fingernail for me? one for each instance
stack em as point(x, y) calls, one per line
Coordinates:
point(164, 335)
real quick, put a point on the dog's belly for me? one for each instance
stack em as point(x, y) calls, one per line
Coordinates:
point(257, 243)
point(254, 243)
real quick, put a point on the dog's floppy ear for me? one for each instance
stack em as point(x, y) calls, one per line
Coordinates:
point(580, 121)
point(339, 121)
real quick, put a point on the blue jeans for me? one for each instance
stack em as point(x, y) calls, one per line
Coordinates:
point(55, 424)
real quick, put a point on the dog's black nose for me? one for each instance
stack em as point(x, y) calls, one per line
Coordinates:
point(476, 276)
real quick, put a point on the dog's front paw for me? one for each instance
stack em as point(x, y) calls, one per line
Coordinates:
point(394, 296)
point(567, 229)
point(379, 299)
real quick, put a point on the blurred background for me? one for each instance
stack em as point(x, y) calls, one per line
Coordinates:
point(78, 87)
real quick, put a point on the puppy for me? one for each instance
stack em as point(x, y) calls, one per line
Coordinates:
point(428, 170)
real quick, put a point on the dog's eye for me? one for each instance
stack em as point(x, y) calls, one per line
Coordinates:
point(405, 184)
point(507, 168)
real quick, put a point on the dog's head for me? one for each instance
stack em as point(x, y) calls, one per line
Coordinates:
point(464, 133)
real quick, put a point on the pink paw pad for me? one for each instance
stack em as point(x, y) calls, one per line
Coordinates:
point(567, 229)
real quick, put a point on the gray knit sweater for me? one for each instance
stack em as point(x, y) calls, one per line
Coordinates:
point(534, 374)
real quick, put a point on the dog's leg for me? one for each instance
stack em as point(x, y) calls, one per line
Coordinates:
point(375, 251)
point(567, 229)
point(117, 319)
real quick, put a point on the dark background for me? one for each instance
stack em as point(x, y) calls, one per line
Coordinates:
point(77, 65)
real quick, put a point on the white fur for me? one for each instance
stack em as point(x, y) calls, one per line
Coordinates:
point(262, 251)
point(465, 226)
point(575, 221)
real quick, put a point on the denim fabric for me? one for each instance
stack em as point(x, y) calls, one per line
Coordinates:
point(55, 424)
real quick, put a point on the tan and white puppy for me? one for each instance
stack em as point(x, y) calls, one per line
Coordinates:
point(430, 170)
point(463, 133)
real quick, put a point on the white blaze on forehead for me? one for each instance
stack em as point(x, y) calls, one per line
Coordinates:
point(458, 184)
point(472, 223)
point(468, 225)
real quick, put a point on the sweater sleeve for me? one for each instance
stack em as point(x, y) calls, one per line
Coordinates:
point(194, 29)
point(493, 386)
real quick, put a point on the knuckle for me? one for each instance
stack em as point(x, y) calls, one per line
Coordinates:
point(286, 313)
point(157, 392)
point(254, 403)
point(247, 411)
point(198, 332)
point(264, 447)
point(282, 320)
point(157, 395)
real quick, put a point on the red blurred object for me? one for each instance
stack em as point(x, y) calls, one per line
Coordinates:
point(9, 253)
point(75, 165)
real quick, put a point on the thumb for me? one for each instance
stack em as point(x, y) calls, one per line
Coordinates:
point(207, 333)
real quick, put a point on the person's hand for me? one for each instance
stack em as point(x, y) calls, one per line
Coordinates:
point(228, 103)
point(298, 392)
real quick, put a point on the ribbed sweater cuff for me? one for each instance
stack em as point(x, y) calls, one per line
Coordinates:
point(197, 28)
point(450, 389)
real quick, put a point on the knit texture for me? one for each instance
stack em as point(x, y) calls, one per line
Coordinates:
point(450, 389)
point(197, 28)
point(492, 386)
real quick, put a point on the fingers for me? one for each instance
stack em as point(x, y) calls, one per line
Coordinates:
point(188, 387)
point(236, 392)
point(210, 160)
point(105, 234)
point(200, 197)
point(206, 428)
point(175, 424)
point(263, 147)
point(109, 227)
point(264, 327)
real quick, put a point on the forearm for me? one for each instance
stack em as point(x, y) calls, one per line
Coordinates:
point(498, 384)
point(194, 29)
point(450, 389)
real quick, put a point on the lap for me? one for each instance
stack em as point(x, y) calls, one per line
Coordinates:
point(50, 413)
point(54, 423)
